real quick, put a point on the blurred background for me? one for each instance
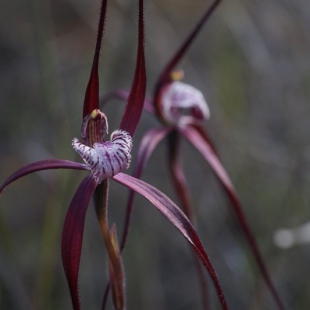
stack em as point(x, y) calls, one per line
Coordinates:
point(252, 63)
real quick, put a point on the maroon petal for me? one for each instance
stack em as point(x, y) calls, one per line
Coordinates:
point(206, 150)
point(72, 235)
point(178, 178)
point(43, 165)
point(134, 106)
point(91, 101)
point(181, 188)
point(165, 75)
point(148, 143)
point(177, 218)
point(204, 135)
point(124, 95)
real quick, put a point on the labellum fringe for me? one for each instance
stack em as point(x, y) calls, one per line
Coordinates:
point(107, 159)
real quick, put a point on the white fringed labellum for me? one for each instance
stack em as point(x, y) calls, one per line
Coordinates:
point(179, 98)
point(106, 159)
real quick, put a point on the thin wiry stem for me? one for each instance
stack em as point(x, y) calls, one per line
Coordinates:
point(178, 178)
point(181, 188)
point(109, 236)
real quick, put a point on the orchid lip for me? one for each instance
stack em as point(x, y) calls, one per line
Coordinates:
point(106, 159)
point(183, 103)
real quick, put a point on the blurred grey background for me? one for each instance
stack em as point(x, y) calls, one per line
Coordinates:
point(252, 63)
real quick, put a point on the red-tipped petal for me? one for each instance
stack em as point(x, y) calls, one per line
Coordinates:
point(177, 218)
point(43, 165)
point(124, 95)
point(134, 106)
point(91, 101)
point(206, 150)
point(72, 236)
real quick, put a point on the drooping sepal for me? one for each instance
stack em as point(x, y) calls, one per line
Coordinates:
point(72, 236)
point(42, 165)
point(106, 159)
point(201, 143)
point(178, 219)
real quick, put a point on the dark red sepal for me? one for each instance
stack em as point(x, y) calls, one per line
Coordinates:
point(148, 143)
point(46, 164)
point(136, 97)
point(176, 58)
point(165, 76)
point(182, 190)
point(91, 101)
point(72, 236)
point(200, 142)
point(178, 219)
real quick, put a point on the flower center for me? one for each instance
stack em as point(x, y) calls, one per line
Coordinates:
point(105, 159)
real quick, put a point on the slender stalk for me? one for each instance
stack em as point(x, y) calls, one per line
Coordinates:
point(117, 278)
point(182, 191)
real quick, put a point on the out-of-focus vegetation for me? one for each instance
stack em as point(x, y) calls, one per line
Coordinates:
point(251, 61)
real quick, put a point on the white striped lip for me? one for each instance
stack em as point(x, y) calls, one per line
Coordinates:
point(106, 159)
point(183, 103)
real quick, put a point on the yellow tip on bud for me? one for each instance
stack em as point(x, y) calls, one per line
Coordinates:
point(94, 114)
point(177, 75)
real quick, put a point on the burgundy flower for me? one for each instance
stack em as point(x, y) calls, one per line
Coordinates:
point(107, 160)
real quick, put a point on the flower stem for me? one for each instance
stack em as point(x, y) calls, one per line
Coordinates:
point(181, 188)
point(117, 278)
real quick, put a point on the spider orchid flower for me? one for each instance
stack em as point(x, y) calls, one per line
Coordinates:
point(182, 110)
point(106, 160)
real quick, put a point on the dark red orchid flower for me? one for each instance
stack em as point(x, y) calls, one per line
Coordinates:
point(182, 109)
point(107, 160)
